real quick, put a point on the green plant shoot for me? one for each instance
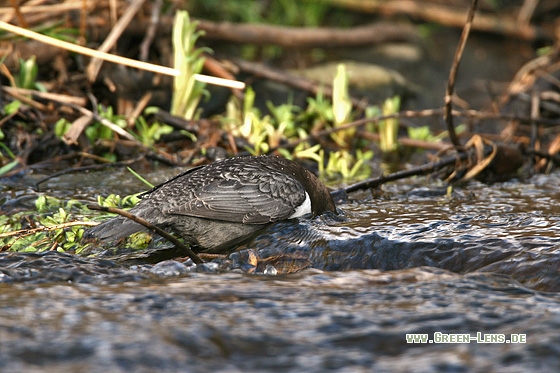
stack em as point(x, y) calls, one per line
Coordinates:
point(389, 128)
point(28, 71)
point(187, 91)
point(342, 107)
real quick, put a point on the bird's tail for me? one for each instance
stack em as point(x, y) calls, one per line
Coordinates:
point(114, 229)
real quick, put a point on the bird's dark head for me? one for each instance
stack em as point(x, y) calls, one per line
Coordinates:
point(319, 194)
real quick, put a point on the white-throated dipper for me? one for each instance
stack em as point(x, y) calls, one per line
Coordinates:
point(217, 206)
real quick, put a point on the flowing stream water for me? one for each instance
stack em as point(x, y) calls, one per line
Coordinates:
point(481, 262)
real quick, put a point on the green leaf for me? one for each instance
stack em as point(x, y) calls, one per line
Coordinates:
point(12, 107)
point(61, 127)
point(8, 167)
point(41, 204)
point(139, 177)
point(28, 70)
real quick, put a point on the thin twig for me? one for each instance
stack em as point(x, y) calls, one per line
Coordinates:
point(83, 22)
point(191, 254)
point(151, 30)
point(57, 97)
point(307, 37)
point(448, 99)
point(107, 123)
point(535, 104)
point(16, 93)
point(19, 15)
point(526, 12)
point(27, 232)
point(448, 14)
point(421, 170)
point(407, 141)
point(50, 9)
point(116, 31)
point(552, 157)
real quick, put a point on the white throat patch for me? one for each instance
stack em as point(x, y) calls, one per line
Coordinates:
point(303, 209)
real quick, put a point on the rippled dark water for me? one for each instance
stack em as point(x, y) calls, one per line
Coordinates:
point(410, 259)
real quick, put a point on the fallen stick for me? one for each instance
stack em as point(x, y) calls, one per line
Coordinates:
point(116, 59)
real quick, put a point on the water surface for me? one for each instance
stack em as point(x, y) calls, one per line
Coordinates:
point(410, 258)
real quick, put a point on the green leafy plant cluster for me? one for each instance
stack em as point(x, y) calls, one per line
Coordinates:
point(287, 123)
point(148, 133)
point(97, 131)
point(54, 224)
point(114, 200)
point(39, 230)
point(187, 91)
point(344, 164)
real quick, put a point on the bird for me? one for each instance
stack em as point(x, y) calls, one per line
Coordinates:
point(217, 206)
